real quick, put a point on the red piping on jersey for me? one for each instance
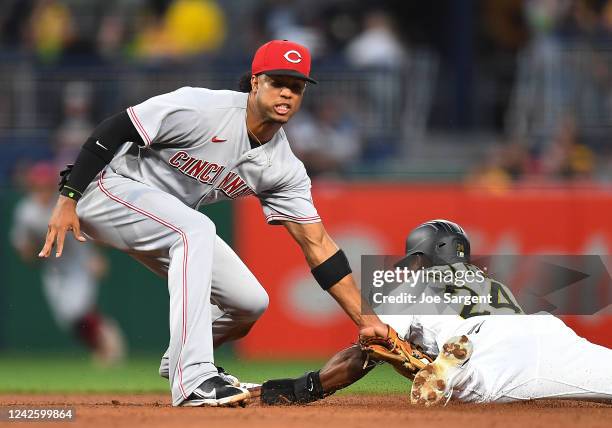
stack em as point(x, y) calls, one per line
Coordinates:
point(139, 125)
point(281, 216)
point(185, 255)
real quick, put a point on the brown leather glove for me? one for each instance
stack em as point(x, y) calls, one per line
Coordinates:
point(405, 358)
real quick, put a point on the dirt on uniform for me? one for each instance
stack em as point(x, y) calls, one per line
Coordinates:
point(347, 411)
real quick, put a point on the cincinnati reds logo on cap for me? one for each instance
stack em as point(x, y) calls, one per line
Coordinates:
point(282, 58)
point(297, 57)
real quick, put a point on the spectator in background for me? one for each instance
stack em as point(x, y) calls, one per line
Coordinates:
point(377, 46)
point(196, 26)
point(13, 22)
point(111, 35)
point(563, 87)
point(70, 284)
point(186, 28)
point(378, 51)
point(327, 141)
point(118, 24)
point(541, 91)
point(565, 157)
point(290, 20)
point(504, 165)
point(50, 29)
point(76, 125)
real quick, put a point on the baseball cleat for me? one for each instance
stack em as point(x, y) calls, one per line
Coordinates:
point(250, 385)
point(433, 384)
point(230, 378)
point(235, 381)
point(216, 392)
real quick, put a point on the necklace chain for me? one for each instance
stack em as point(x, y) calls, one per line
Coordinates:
point(246, 117)
point(253, 134)
point(246, 121)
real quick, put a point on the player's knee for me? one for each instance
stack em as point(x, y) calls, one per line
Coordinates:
point(207, 226)
point(201, 226)
point(262, 303)
point(256, 305)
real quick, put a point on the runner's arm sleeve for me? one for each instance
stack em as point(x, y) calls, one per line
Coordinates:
point(98, 151)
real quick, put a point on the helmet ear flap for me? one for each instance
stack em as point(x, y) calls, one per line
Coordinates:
point(415, 261)
point(425, 261)
point(420, 261)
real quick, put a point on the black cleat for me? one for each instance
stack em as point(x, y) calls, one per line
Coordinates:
point(217, 392)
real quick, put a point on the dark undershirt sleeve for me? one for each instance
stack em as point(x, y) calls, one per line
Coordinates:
point(98, 151)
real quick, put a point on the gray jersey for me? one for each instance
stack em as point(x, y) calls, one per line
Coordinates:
point(197, 149)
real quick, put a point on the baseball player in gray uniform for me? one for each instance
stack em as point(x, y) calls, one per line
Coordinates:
point(157, 162)
point(70, 284)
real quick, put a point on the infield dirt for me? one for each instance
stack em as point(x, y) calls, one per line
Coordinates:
point(348, 411)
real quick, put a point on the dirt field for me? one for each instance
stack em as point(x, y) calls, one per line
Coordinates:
point(103, 410)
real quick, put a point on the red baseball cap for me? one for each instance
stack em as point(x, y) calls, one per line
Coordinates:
point(282, 58)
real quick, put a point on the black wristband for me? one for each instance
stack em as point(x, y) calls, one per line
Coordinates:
point(86, 167)
point(302, 390)
point(332, 270)
point(308, 388)
point(71, 193)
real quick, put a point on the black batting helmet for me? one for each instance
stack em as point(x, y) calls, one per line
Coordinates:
point(442, 242)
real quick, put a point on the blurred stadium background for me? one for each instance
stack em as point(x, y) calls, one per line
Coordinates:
point(496, 114)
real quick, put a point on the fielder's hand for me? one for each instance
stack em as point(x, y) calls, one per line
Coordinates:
point(63, 219)
point(405, 358)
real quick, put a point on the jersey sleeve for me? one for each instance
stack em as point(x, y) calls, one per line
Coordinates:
point(290, 202)
point(166, 118)
point(400, 323)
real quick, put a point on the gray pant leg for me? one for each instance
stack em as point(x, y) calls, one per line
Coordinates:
point(237, 296)
point(145, 222)
point(237, 299)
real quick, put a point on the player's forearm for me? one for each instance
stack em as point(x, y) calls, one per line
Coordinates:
point(348, 297)
point(332, 271)
point(346, 293)
point(98, 151)
point(318, 248)
point(344, 369)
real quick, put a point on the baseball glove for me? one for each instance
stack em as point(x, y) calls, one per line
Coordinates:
point(405, 358)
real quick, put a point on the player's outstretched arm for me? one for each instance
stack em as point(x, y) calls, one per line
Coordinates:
point(95, 154)
point(342, 370)
point(63, 219)
point(330, 267)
